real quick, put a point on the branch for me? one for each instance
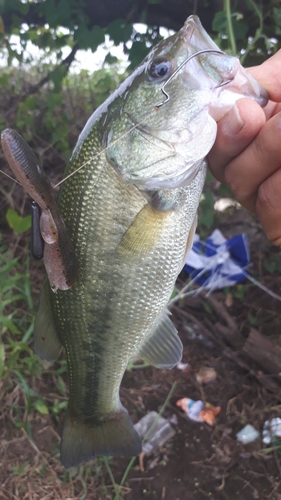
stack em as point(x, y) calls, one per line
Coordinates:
point(65, 63)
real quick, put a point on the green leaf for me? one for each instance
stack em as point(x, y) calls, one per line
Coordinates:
point(219, 23)
point(96, 37)
point(240, 28)
point(137, 53)
point(30, 102)
point(277, 16)
point(89, 39)
point(9, 324)
point(40, 406)
point(57, 78)
point(224, 191)
point(119, 31)
point(16, 222)
point(23, 7)
point(207, 307)
point(110, 59)
point(4, 79)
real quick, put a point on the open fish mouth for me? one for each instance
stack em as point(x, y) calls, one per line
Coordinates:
point(216, 71)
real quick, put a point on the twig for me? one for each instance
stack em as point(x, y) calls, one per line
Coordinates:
point(65, 63)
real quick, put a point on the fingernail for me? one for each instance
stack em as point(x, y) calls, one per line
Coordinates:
point(233, 123)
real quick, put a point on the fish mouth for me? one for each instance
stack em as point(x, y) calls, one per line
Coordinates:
point(244, 83)
point(215, 71)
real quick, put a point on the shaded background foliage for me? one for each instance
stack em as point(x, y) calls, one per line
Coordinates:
point(49, 103)
point(41, 99)
point(87, 22)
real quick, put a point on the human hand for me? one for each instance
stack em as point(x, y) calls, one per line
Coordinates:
point(247, 151)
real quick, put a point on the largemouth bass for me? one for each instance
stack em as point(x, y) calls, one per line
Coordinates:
point(130, 212)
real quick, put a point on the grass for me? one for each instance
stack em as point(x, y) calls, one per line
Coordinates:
point(21, 383)
point(16, 319)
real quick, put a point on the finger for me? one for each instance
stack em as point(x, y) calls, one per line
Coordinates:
point(268, 75)
point(255, 164)
point(268, 207)
point(235, 132)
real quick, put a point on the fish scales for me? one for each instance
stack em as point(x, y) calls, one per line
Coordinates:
point(130, 213)
point(110, 299)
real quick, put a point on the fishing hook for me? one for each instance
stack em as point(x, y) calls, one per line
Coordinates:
point(203, 51)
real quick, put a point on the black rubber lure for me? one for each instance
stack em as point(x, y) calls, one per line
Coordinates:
point(37, 242)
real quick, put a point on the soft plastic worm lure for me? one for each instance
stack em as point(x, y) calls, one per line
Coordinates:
point(37, 242)
point(59, 257)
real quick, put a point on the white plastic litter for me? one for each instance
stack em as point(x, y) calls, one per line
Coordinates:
point(271, 429)
point(248, 434)
point(156, 432)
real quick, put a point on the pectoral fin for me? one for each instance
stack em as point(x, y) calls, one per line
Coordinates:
point(46, 342)
point(164, 348)
point(143, 232)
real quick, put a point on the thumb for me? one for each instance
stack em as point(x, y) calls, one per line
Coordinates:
point(236, 130)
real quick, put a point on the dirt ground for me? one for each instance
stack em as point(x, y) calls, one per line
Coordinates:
point(200, 461)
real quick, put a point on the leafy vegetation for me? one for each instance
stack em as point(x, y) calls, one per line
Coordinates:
point(48, 105)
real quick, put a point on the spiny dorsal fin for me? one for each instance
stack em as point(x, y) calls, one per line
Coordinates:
point(164, 348)
point(46, 342)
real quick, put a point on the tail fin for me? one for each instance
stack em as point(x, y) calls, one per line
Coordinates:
point(83, 439)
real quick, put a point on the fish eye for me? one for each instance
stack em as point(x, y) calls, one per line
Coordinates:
point(160, 68)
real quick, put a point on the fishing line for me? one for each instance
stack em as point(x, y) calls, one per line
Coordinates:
point(9, 177)
point(183, 292)
point(215, 278)
point(105, 149)
point(156, 108)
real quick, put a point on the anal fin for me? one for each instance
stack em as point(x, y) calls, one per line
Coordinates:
point(46, 342)
point(164, 348)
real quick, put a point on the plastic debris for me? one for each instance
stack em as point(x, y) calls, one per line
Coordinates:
point(199, 411)
point(156, 431)
point(184, 367)
point(206, 375)
point(218, 262)
point(271, 429)
point(248, 434)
